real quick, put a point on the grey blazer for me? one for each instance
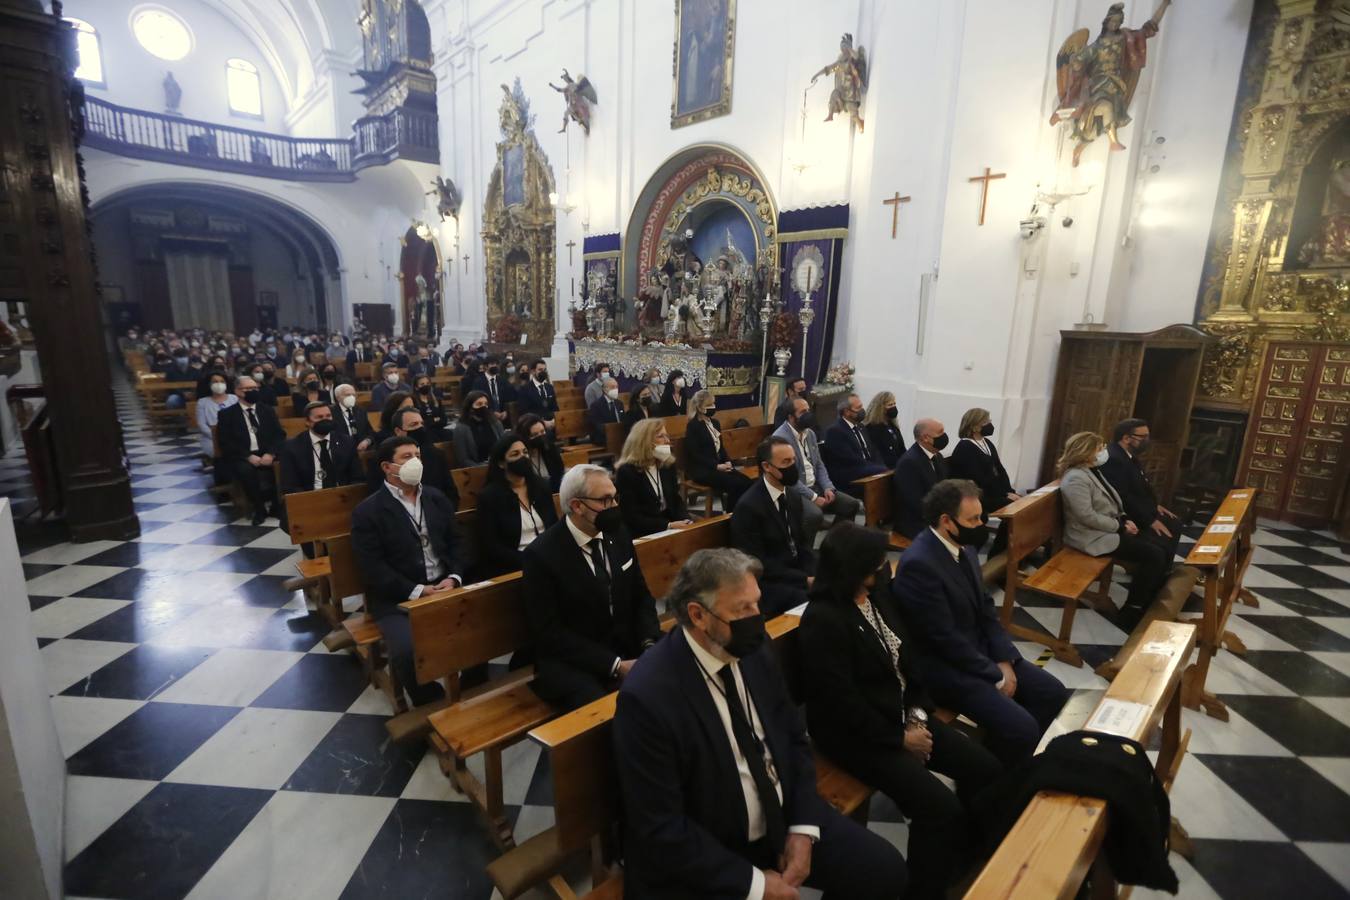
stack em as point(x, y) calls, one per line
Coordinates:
point(1091, 512)
point(466, 452)
point(812, 449)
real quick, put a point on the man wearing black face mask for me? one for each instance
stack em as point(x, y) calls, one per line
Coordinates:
point(317, 458)
point(848, 449)
point(407, 422)
point(708, 692)
point(1154, 521)
point(588, 608)
point(767, 523)
point(813, 483)
point(921, 467)
point(966, 657)
point(496, 385)
point(250, 438)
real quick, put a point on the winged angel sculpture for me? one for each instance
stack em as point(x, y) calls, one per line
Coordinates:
point(579, 96)
point(1097, 80)
point(850, 80)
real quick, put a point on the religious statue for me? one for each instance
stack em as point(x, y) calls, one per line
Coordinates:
point(850, 80)
point(447, 198)
point(1330, 245)
point(579, 96)
point(419, 324)
point(1097, 80)
point(173, 95)
point(651, 299)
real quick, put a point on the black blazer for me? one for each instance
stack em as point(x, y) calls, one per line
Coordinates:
point(1130, 481)
point(757, 529)
point(297, 462)
point(570, 619)
point(669, 406)
point(601, 413)
point(300, 399)
point(985, 469)
point(497, 524)
point(684, 820)
point(551, 457)
point(528, 400)
point(914, 477)
point(854, 702)
point(232, 432)
point(388, 549)
point(701, 457)
point(435, 473)
point(366, 356)
point(636, 414)
point(888, 441)
point(641, 509)
point(357, 428)
point(844, 458)
point(433, 413)
point(421, 367)
point(506, 392)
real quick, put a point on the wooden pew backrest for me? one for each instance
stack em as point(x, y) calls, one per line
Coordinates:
point(727, 418)
point(570, 423)
point(321, 515)
point(344, 578)
point(293, 425)
point(661, 555)
point(471, 625)
point(469, 482)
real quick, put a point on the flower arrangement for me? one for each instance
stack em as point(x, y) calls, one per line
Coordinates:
point(508, 330)
point(841, 374)
point(785, 331)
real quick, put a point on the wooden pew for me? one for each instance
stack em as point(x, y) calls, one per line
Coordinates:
point(740, 444)
point(469, 483)
point(1223, 553)
point(318, 517)
point(727, 418)
point(1057, 839)
point(293, 425)
point(571, 424)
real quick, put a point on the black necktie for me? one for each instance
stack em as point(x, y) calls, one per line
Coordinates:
point(492, 388)
point(326, 464)
point(862, 443)
point(752, 748)
point(613, 411)
point(252, 419)
point(787, 523)
point(601, 570)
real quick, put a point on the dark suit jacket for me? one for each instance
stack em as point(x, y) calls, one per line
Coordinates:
point(844, 458)
point(529, 401)
point(497, 524)
point(954, 625)
point(641, 509)
point(669, 406)
point(757, 529)
point(356, 430)
point(380, 393)
point(506, 391)
point(1129, 480)
point(571, 622)
point(232, 432)
point(684, 820)
point(888, 441)
point(388, 549)
point(433, 414)
point(300, 399)
point(600, 413)
point(366, 356)
point(421, 367)
point(297, 462)
point(636, 414)
point(701, 457)
point(435, 472)
point(914, 477)
point(854, 702)
point(552, 460)
point(986, 470)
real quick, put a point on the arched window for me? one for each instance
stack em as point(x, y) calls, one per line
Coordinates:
point(243, 87)
point(90, 69)
point(162, 34)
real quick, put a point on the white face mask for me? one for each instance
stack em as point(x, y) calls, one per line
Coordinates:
point(662, 451)
point(612, 393)
point(1101, 457)
point(679, 384)
point(392, 378)
point(410, 473)
point(217, 388)
point(349, 401)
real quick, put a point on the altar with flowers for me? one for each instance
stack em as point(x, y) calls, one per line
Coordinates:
point(732, 374)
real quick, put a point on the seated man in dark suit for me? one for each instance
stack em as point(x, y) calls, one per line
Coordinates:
point(848, 449)
point(407, 422)
point(390, 382)
point(966, 658)
point(794, 389)
point(538, 396)
point(609, 408)
point(587, 605)
point(349, 419)
point(318, 458)
point(767, 524)
point(1154, 521)
point(422, 364)
point(717, 777)
point(921, 467)
point(496, 385)
point(359, 353)
point(250, 439)
point(404, 541)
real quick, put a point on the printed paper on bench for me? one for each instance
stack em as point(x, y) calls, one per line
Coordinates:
point(1121, 717)
point(1222, 529)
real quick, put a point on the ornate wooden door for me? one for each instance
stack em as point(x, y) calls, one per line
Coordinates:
point(1296, 450)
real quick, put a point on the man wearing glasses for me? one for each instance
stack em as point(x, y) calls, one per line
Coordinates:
point(1157, 523)
point(589, 610)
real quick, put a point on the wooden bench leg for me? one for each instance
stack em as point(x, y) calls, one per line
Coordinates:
point(1179, 840)
point(1233, 643)
point(494, 808)
point(1064, 649)
point(1103, 882)
point(1193, 693)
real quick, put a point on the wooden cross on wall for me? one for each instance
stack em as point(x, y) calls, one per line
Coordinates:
point(466, 263)
point(984, 188)
point(894, 204)
point(569, 245)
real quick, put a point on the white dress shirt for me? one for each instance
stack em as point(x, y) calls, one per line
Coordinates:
point(530, 525)
point(435, 569)
point(252, 432)
point(808, 470)
point(754, 810)
point(318, 472)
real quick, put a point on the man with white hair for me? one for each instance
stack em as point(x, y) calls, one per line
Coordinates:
point(349, 419)
point(589, 610)
point(606, 408)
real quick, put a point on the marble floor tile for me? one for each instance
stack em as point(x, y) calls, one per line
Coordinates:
point(67, 553)
point(357, 757)
point(1305, 807)
point(1192, 886)
point(151, 742)
point(1089, 626)
point(68, 580)
point(1229, 674)
point(80, 720)
point(428, 782)
point(1333, 858)
point(179, 533)
point(1340, 661)
point(259, 748)
point(1336, 707)
point(1295, 722)
point(70, 660)
point(69, 614)
point(1335, 769)
point(1259, 576)
point(218, 626)
point(230, 677)
point(285, 566)
point(322, 682)
point(186, 557)
point(274, 539)
point(417, 844)
point(1338, 624)
point(1209, 808)
point(1237, 735)
point(93, 804)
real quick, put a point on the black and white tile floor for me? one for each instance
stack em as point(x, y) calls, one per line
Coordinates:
point(215, 749)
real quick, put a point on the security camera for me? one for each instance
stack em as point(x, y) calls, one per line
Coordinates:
point(1031, 227)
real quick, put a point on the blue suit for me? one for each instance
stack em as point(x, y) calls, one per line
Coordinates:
point(961, 642)
point(846, 457)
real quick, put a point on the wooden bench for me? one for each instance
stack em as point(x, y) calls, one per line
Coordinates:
point(728, 417)
point(571, 425)
point(1057, 840)
point(878, 506)
point(317, 517)
point(741, 445)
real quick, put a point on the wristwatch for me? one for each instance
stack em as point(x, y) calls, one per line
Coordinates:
point(918, 717)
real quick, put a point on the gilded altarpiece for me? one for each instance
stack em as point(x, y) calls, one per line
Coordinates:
point(1278, 278)
point(518, 229)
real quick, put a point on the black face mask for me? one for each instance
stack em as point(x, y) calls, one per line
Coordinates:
point(987, 430)
point(424, 389)
point(538, 443)
point(311, 385)
point(1141, 446)
point(645, 402)
point(892, 412)
point(806, 421)
point(492, 370)
point(251, 395)
point(421, 435)
point(787, 476)
point(329, 376)
point(941, 441)
point(268, 373)
point(971, 537)
point(609, 520)
point(541, 377)
point(747, 635)
point(519, 467)
point(479, 412)
point(323, 427)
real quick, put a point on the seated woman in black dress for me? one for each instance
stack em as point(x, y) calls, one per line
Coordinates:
point(648, 484)
point(514, 508)
point(883, 429)
point(641, 407)
point(543, 453)
point(705, 456)
point(975, 457)
point(392, 404)
point(867, 711)
point(476, 432)
point(308, 390)
point(675, 398)
point(427, 399)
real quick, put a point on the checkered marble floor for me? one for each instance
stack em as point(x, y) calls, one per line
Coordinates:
point(215, 749)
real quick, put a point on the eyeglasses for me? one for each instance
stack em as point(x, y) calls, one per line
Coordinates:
point(605, 502)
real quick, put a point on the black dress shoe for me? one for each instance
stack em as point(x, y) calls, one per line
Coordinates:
point(259, 516)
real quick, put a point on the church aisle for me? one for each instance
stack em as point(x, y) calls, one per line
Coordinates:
point(216, 749)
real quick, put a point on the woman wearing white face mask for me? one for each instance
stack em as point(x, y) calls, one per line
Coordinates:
point(647, 481)
point(675, 398)
point(209, 406)
point(1095, 523)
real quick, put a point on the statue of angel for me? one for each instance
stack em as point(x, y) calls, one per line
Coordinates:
point(579, 96)
point(447, 198)
point(1097, 80)
point(850, 80)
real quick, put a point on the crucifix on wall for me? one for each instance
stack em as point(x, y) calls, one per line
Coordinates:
point(569, 245)
point(894, 204)
point(984, 188)
point(466, 263)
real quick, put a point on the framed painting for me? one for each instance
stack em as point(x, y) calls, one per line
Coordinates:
point(705, 48)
